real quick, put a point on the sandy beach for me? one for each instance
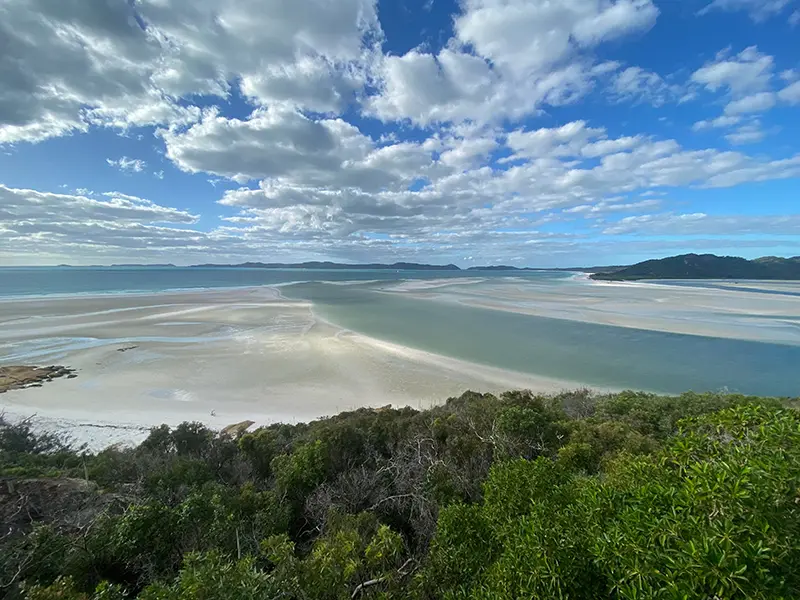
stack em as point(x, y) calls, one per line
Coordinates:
point(222, 356)
point(219, 357)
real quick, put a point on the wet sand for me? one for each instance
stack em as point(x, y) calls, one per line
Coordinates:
point(219, 357)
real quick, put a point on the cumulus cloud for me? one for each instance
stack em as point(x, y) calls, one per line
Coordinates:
point(527, 36)
point(754, 103)
point(270, 101)
point(747, 80)
point(323, 180)
point(68, 65)
point(506, 60)
point(286, 146)
point(746, 72)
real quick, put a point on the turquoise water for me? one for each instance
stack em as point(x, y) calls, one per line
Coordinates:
point(597, 355)
point(35, 281)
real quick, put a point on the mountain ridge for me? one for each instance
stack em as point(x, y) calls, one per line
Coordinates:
point(707, 266)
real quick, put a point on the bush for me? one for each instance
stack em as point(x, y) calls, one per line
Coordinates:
point(620, 496)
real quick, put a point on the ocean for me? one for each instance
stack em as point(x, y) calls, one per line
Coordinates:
point(361, 301)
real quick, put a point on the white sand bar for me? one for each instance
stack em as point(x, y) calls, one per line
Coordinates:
point(218, 357)
point(756, 311)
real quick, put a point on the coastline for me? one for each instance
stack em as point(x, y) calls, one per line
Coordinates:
point(225, 355)
point(218, 357)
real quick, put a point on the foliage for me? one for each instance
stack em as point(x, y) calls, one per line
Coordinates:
point(712, 515)
point(578, 496)
point(27, 452)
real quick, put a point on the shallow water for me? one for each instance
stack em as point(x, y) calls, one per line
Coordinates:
point(35, 281)
point(425, 310)
point(598, 355)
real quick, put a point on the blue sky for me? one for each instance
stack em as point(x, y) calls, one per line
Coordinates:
point(527, 132)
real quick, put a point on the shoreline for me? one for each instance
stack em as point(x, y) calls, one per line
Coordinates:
point(225, 355)
point(232, 356)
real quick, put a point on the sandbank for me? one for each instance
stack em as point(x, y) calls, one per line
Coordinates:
point(218, 357)
point(755, 312)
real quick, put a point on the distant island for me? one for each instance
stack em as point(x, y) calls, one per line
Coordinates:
point(153, 265)
point(684, 266)
point(399, 266)
point(605, 269)
point(706, 266)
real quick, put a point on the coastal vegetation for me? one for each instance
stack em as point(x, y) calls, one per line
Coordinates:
point(706, 266)
point(579, 496)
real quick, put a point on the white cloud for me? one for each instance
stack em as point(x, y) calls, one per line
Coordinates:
point(61, 58)
point(69, 65)
point(567, 140)
point(794, 18)
point(606, 207)
point(42, 208)
point(286, 146)
point(637, 84)
point(746, 134)
point(313, 181)
point(721, 121)
point(130, 165)
point(323, 180)
point(759, 10)
point(791, 93)
point(527, 36)
point(747, 72)
point(508, 59)
point(754, 103)
point(705, 225)
point(746, 79)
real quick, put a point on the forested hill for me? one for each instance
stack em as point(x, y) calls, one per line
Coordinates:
point(707, 266)
point(623, 496)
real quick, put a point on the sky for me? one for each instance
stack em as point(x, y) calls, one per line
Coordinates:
point(523, 132)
